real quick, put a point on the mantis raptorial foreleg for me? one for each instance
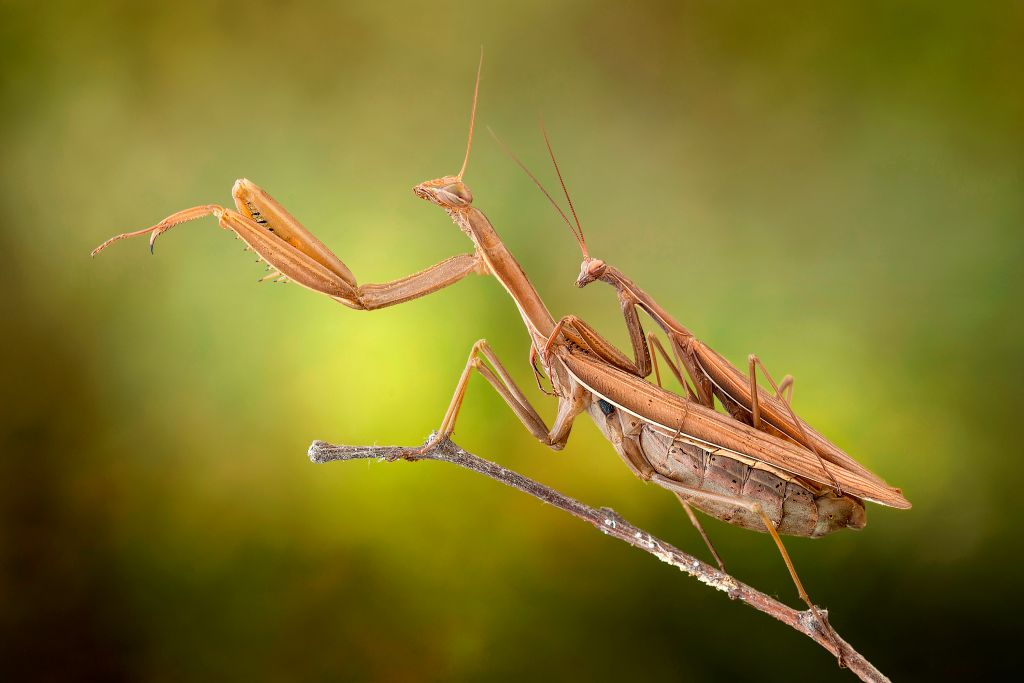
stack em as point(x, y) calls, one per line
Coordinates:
point(630, 306)
point(372, 296)
point(587, 337)
point(705, 393)
point(582, 334)
point(568, 407)
point(641, 350)
point(295, 254)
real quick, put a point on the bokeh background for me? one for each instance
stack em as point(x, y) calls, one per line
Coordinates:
point(836, 187)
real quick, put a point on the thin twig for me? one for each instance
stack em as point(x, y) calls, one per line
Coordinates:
point(611, 524)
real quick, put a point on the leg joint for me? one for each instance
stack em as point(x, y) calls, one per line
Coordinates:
point(478, 346)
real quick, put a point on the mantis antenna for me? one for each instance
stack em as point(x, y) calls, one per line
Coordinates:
point(536, 182)
point(472, 116)
point(579, 228)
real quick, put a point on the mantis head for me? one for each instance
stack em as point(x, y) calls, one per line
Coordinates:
point(448, 192)
point(591, 269)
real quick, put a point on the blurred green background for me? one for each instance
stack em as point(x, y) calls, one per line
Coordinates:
point(834, 186)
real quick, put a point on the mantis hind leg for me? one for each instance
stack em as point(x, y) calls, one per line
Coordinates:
point(694, 493)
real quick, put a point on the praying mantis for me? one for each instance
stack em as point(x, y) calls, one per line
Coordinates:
point(759, 466)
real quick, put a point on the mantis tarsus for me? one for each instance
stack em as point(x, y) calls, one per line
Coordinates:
point(759, 467)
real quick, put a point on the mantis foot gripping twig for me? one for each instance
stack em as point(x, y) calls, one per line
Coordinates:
point(812, 623)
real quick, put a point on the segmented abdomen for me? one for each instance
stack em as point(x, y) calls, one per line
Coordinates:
point(788, 504)
point(792, 507)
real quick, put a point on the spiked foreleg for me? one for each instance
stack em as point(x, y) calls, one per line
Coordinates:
point(293, 253)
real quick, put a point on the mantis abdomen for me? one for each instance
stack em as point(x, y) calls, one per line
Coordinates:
point(712, 481)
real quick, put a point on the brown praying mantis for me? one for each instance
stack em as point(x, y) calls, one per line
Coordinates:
point(759, 466)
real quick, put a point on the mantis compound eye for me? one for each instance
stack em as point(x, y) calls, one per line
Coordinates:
point(460, 192)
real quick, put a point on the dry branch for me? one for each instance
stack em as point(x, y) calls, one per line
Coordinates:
point(611, 524)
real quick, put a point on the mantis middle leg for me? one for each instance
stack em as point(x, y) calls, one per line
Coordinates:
point(499, 378)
